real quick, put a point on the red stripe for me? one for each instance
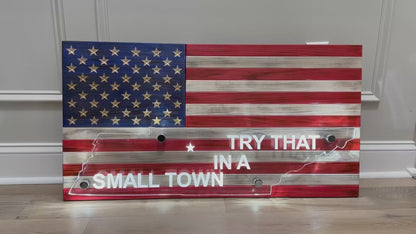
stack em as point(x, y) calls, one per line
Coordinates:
point(191, 190)
point(226, 191)
point(272, 121)
point(256, 168)
point(273, 74)
point(315, 191)
point(273, 50)
point(272, 97)
point(112, 145)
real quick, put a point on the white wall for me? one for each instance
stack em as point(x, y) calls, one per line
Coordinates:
point(30, 80)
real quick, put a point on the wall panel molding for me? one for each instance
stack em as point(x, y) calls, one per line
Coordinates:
point(102, 20)
point(31, 180)
point(368, 96)
point(30, 96)
point(57, 17)
point(58, 20)
point(30, 148)
point(388, 146)
point(382, 51)
point(384, 174)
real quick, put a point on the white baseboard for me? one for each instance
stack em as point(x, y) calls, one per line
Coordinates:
point(387, 159)
point(30, 148)
point(388, 145)
point(30, 163)
point(30, 95)
point(31, 180)
point(384, 174)
point(41, 163)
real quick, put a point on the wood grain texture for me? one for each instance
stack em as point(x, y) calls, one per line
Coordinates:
point(273, 74)
point(273, 109)
point(199, 133)
point(272, 62)
point(250, 85)
point(384, 206)
point(258, 168)
point(271, 181)
point(198, 157)
point(272, 86)
point(118, 145)
point(273, 50)
point(274, 97)
point(275, 121)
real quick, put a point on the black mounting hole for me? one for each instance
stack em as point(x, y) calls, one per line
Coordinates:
point(330, 138)
point(257, 182)
point(84, 184)
point(161, 138)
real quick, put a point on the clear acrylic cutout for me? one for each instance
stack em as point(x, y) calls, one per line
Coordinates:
point(163, 162)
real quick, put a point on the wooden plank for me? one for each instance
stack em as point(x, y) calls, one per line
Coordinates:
point(272, 62)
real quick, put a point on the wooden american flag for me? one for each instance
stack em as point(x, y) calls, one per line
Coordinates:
point(136, 112)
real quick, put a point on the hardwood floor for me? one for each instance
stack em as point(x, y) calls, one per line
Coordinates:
point(384, 206)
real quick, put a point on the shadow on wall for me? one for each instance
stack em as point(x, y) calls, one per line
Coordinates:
point(369, 105)
point(414, 139)
point(414, 135)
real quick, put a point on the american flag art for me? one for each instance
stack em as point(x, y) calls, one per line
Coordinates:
point(148, 120)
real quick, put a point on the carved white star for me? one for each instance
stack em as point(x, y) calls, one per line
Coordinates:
point(146, 62)
point(103, 61)
point(177, 70)
point(82, 78)
point(135, 52)
point(156, 53)
point(115, 120)
point(82, 60)
point(71, 68)
point(167, 62)
point(93, 51)
point(93, 68)
point(177, 53)
point(114, 51)
point(72, 120)
point(190, 147)
point(156, 70)
point(71, 50)
point(126, 61)
point(136, 121)
point(135, 69)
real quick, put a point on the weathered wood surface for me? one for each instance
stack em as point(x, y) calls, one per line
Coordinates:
point(211, 93)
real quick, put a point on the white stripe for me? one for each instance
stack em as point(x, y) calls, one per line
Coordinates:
point(200, 133)
point(273, 62)
point(247, 179)
point(273, 109)
point(273, 86)
point(208, 157)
